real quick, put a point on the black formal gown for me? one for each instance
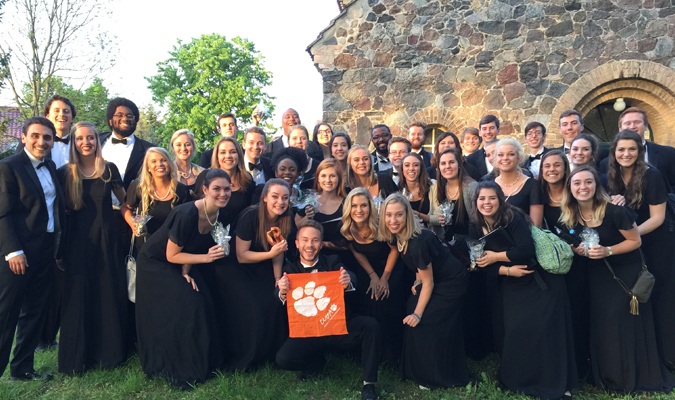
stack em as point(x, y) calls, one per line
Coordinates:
point(261, 325)
point(159, 210)
point(389, 311)
point(94, 303)
point(538, 350)
point(530, 194)
point(433, 351)
point(624, 352)
point(176, 325)
point(578, 293)
point(422, 206)
point(308, 177)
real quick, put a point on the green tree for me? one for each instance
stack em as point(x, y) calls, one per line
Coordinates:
point(205, 78)
point(4, 58)
point(148, 124)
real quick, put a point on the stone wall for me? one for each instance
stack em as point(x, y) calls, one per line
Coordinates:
point(451, 62)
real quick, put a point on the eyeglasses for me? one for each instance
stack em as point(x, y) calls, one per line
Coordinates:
point(378, 137)
point(324, 131)
point(127, 116)
point(533, 134)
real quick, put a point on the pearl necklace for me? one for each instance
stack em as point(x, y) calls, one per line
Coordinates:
point(168, 192)
point(87, 176)
point(582, 215)
point(400, 246)
point(456, 193)
point(207, 215)
point(514, 182)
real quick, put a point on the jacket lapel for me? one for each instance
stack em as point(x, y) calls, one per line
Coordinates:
point(652, 154)
point(30, 171)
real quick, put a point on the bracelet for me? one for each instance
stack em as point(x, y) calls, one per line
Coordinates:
point(417, 282)
point(371, 273)
point(507, 271)
point(419, 317)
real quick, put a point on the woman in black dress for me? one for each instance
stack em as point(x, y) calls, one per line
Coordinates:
point(340, 144)
point(298, 138)
point(261, 326)
point(360, 173)
point(155, 193)
point(322, 136)
point(433, 343)
point(384, 298)
point(624, 353)
point(520, 190)
point(538, 351)
point(175, 320)
point(183, 147)
point(646, 191)
point(94, 305)
point(415, 184)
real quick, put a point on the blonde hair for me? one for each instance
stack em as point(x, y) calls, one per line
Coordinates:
point(241, 176)
point(412, 227)
point(570, 206)
point(330, 163)
point(146, 183)
point(351, 178)
point(74, 174)
point(508, 141)
point(347, 221)
point(190, 135)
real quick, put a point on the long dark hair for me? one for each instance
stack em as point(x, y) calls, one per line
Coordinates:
point(632, 191)
point(435, 159)
point(566, 174)
point(283, 221)
point(315, 133)
point(422, 178)
point(505, 213)
point(340, 134)
point(463, 178)
point(590, 139)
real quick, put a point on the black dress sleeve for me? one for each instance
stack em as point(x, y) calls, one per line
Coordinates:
point(113, 175)
point(655, 189)
point(247, 224)
point(524, 250)
point(536, 193)
point(620, 217)
point(421, 250)
point(133, 196)
point(183, 194)
point(182, 226)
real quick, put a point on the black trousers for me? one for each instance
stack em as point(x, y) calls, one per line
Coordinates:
point(52, 322)
point(23, 305)
point(308, 354)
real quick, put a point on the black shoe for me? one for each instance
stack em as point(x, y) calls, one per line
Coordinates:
point(368, 392)
point(29, 376)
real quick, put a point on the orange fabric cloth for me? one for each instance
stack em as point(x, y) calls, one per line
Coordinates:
point(316, 305)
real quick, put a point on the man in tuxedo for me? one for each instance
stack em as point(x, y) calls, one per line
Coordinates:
point(660, 157)
point(307, 354)
point(380, 136)
point(488, 129)
point(416, 137)
point(227, 126)
point(259, 166)
point(572, 124)
point(398, 148)
point(32, 209)
point(291, 118)
point(535, 135)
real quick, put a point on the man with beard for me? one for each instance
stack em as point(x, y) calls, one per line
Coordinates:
point(260, 167)
point(380, 136)
point(416, 136)
point(227, 126)
point(291, 118)
point(308, 354)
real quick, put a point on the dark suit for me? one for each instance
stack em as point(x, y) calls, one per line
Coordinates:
point(660, 157)
point(477, 159)
point(23, 226)
point(135, 159)
point(307, 354)
point(313, 149)
point(527, 163)
point(268, 171)
point(426, 156)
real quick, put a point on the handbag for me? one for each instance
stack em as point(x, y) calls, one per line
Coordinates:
point(642, 289)
point(130, 262)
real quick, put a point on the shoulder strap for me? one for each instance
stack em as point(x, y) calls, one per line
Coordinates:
point(617, 279)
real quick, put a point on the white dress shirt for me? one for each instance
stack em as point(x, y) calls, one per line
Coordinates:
point(60, 153)
point(488, 164)
point(646, 152)
point(258, 175)
point(119, 155)
point(534, 164)
point(382, 163)
point(50, 195)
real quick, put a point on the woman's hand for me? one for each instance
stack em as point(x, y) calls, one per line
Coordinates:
point(372, 289)
point(309, 212)
point(215, 253)
point(489, 257)
point(383, 288)
point(579, 250)
point(618, 200)
point(441, 219)
point(414, 286)
point(185, 272)
point(598, 252)
point(422, 217)
point(412, 320)
point(278, 248)
point(518, 270)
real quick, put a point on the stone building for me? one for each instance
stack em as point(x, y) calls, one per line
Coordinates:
point(449, 62)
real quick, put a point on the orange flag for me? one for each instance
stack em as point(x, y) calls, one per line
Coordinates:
point(316, 305)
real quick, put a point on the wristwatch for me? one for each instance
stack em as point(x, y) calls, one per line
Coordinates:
point(610, 250)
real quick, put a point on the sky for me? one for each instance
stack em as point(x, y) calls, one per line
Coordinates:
point(147, 30)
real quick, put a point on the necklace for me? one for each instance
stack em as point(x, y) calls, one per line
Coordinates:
point(207, 215)
point(514, 182)
point(582, 215)
point(85, 175)
point(487, 225)
point(168, 192)
point(401, 246)
point(185, 175)
point(554, 200)
point(454, 195)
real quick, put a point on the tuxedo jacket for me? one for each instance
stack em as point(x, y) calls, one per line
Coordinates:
point(269, 174)
point(527, 163)
point(313, 149)
point(325, 264)
point(660, 157)
point(23, 208)
point(135, 159)
point(477, 160)
point(426, 156)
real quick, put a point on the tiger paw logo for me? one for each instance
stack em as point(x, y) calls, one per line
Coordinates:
point(310, 299)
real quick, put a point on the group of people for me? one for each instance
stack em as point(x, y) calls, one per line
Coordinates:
point(75, 202)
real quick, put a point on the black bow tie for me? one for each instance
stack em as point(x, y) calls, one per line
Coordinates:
point(382, 159)
point(537, 157)
point(42, 164)
point(567, 150)
point(253, 167)
point(65, 140)
point(118, 141)
point(394, 172)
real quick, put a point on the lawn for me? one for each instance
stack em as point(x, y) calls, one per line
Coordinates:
point(341, 380)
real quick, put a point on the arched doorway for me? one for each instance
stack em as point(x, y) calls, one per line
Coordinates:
point(432, 132)
point(603, 120)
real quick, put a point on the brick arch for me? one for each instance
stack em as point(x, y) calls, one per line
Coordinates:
point(446, 117)
point(651, 85)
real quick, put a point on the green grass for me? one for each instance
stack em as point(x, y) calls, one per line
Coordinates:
point(341, 380)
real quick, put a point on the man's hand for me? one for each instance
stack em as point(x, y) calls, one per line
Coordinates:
point(18, 264)
point(344, 279)
point(284, 285)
